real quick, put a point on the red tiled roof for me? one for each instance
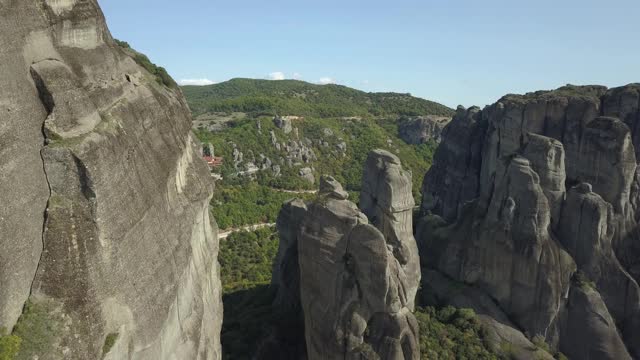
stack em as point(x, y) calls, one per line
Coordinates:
point(213, 160)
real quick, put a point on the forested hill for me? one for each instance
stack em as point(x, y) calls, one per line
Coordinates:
point(293, 97)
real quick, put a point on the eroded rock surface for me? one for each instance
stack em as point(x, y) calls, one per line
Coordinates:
point(105, 211)
point(533, 191)
point(358, 269)
point(419, 130)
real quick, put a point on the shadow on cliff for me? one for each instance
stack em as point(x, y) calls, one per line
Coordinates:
point(251, 329)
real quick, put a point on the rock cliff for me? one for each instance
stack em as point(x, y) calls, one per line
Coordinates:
point(358, 268)
point(419, 130)
point(105, 220)
point(534, 201)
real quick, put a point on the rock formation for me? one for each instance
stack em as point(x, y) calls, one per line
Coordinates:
point(534, 201)
point(307, 174)
point(358, 269)
point(419, 130)
point(105, 218)
point(283, 123)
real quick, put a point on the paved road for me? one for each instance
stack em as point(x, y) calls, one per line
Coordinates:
point(295, 191)
point(226, 233)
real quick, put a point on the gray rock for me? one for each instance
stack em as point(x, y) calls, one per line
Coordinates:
point(332, 188)
point(608, 161)
point(421, 129)
point(286, 276)
point(546, 156)
point(387, 200)
point(283, 123)
point(105, 221)
point(587, 317)
point(453, 180)
point(357, 285)
point(307, 174)
point(586, 229)
point(498, 209)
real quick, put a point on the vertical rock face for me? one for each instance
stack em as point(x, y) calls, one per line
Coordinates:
point(419, 130)
point(552, 195)
point(455, 174)
point(105, 204)
point(358, 269)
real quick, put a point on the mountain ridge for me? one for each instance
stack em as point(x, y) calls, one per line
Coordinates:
point(296, 97)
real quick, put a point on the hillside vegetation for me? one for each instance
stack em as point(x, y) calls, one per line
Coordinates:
point(360, 138)
point(303, 99)
point(339, 125)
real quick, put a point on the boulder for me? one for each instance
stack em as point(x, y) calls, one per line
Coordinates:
point(307, 174)
point(283, 123)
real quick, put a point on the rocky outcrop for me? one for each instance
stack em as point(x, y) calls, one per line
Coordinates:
point(105, 217)
point(456, 172)
point(421, 129)
point(283, 123)
point(587, 317)
point(536, 190)
point(358, 269)
point(307, 175)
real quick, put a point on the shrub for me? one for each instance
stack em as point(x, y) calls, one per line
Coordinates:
point(161, 75)
point(38, 328)
point(109, 341)
point(9, 345)
point(451, 333)
point(583, 281)
point(246, 259)
point(122, 44)
point(540, 342)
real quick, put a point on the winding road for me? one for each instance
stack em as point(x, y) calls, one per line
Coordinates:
point(225, 234)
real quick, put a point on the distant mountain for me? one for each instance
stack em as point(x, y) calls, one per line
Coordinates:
point(293, 97)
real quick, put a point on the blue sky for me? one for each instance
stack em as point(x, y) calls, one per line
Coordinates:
point(468, 52)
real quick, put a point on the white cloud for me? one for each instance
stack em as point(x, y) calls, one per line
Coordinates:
point(326, 80)
point(296, 76)
point(278, 75)
point(196, 82)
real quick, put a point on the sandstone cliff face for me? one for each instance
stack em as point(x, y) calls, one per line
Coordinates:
point(358, 269)
point(105, 216)
point(536, 190)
